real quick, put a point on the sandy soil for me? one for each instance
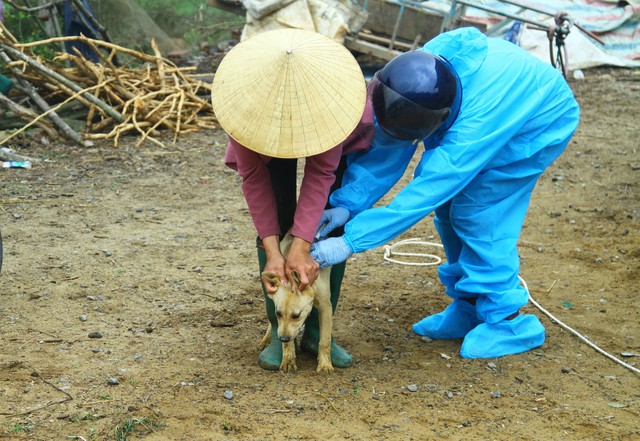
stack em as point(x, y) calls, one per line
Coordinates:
point(130, 305)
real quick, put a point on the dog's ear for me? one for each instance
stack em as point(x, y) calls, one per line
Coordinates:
point(271, 277)
point(296, 279)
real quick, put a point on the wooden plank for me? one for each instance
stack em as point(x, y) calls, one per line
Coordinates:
point(415, 22)
point(366, 47)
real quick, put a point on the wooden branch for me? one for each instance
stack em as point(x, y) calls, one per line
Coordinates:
point(42, 104)
point(141, 55)
point(53, 109)
point(54, 75)
point(120, 100)
point(26, 114)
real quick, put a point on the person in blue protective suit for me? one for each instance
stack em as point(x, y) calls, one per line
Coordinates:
point(491, 118)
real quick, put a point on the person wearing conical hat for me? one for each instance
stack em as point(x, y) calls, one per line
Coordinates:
point(489, 118)
point(282, 96)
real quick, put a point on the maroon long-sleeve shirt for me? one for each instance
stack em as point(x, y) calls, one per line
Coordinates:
point(316, 182)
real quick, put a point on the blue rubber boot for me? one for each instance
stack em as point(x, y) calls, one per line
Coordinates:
point(340, 358)
point(454, 322)
point(507, 337)
point(271, 357)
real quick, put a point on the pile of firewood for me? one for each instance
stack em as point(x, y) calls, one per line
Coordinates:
point(152, 100)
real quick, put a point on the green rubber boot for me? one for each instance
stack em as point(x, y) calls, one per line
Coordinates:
point(271, 356)
point(340, 358)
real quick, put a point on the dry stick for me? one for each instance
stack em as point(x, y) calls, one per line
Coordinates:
point(119, 128)
point(139, 129)
point(26, 114)
point(35, 373)
point(53, 109)
point(107, 60)
point(66, 130)
point(71, 85)
point(116, 130)
point(43, 105)
point(194, 114)
point(90, 67)
point(82, 38)
point(5, 35)
point(167, 114)
point(101, 125)
point(179, 117)
point(159, 62)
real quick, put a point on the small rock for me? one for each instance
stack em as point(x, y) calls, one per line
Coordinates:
point(91, 298)
point(137, 357)
point(412, 388)
point(491, 365)
point(496, 394)
point(96, 350)
point(566, 370)
point(95, 335)
point(431, 388)
point(426, 339)
point(228, 394)
point(113, 381)
point(388, 348)
point(84, 318)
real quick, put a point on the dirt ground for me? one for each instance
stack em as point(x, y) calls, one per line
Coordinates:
point(130, 305)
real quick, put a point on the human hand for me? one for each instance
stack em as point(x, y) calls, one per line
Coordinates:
point(300, 262)
point(332, 219)
point(274, 265)
point(331, 251)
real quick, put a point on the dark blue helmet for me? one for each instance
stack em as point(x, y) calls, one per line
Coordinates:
point(416, 94)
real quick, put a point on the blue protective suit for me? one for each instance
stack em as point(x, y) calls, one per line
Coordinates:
point(517, 116)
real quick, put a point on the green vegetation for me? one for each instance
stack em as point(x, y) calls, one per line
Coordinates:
point(135, 426)
point(14, 427)
point(133, 23)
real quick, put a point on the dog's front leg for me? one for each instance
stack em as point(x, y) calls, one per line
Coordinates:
point(325, 318)
point(288, 357)
point(266, 339)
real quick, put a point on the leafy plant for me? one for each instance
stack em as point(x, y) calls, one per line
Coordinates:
point(137, 426)
point(27, 28)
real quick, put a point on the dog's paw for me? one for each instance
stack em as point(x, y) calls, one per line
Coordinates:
point(288, 365)
point(326, 368)
point(324, 363)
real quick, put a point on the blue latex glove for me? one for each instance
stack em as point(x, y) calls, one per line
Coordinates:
point(331, 219)
point(331, 251)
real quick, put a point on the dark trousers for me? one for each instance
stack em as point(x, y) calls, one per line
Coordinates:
point(283, 174)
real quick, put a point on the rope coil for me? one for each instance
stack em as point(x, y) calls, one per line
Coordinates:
point(388, 252)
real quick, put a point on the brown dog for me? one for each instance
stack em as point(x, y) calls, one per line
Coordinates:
point(292, 309)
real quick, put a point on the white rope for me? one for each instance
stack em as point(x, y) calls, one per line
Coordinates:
point(388, 252)
point(576, 333)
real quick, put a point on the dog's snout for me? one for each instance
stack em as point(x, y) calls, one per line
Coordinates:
point(285, 339)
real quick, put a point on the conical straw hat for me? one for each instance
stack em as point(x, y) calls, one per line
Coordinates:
point(289, 93)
